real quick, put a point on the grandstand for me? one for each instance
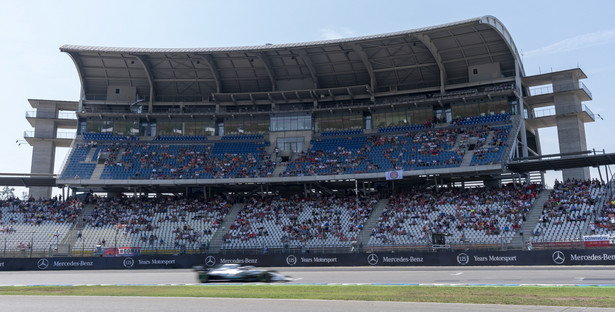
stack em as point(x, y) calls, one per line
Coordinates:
point(371, 142)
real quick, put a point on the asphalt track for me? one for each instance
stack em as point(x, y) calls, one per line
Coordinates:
point(544, 275)
point(539, 275)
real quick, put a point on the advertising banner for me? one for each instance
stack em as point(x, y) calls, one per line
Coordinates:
point(122, 252)
point(395, 175)
point(447, 258)
point(596, 241)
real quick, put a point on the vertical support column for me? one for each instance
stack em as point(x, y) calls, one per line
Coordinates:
point(570, 128)
point(43, 147)
point(521, 113)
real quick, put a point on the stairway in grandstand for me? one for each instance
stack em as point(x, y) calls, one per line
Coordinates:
point(218, 239)
point(489, 137)
point(467, 158)
point(98, 170)
point(363, 237)
point(279, 169)
point(531, 218)
point(90, 154)
point(71, 236)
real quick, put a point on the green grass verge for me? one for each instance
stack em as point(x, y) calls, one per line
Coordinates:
point(522, 295)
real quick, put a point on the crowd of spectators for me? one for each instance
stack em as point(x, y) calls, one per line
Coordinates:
point(432, 148)
point(342, 160)
point(570, 197)
point(316, 220)
point(39, 211)
point(172, 161)
point(571, 207)
point(412, 217)
point(489, 151)
point(605, 221)
point(29, 223)
point(142, 217)
point(422, 148)
point(161, 222)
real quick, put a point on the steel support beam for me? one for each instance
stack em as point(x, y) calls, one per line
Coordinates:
point(368, 66)
point(308, 63)
point(208, 59)
point(79, 67)
point(263, 57)
point(426, 40)
point(150, 80)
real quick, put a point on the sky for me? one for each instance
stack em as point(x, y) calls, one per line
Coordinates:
point(550, 35)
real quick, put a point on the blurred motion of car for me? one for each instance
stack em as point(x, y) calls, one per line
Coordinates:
point(238, 273)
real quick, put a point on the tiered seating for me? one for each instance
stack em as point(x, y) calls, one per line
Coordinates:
point(77, 166)
point(326, 221)
point(154, 161)
point(429, 149)
point(475, 216)
point(239, 160)
point(187, 161)
point(241, 137)
point(35, 225)
point(330, 156)
point(185, 138)
point(482, 119)
point(333, 153)
point(342, 132)
point(97, 136)
point(605, 221)
point(237, 148)
point(423, 150)
point(97, 152)
point(400, 128)
point(568, 212)
point(489, 153)
point(432, 148)
point(153, 223)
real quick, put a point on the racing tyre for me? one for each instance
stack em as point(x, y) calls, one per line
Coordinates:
point(203, 278)
point(264, 277)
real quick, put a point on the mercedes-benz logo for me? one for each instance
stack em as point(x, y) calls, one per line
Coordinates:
point(42, 264)
point(210, 261)
point(463, 259)
point(128, 263)
point(372, 259)
point(558, 257)
point(291, 260)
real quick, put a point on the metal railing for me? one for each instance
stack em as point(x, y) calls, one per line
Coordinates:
point(560, 88)
point(541, 90)
point(588, 111)
point(550, 111)
point(586, 89)
point(50, 115)
point(58, 135)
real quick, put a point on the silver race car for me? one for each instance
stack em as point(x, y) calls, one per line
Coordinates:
point(238, 273)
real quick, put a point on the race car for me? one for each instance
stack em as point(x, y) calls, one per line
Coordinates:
point(238, 273)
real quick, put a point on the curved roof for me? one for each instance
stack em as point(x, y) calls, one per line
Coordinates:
point(430, 57)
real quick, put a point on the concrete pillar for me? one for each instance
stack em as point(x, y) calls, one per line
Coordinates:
point(43, 156)
point(43, 148)
point(570, 128)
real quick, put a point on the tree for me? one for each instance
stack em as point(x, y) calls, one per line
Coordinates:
point(7, 192)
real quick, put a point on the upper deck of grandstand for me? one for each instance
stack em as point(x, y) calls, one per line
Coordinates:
point(102, 158)
point(431, 58)
point(444, 101)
